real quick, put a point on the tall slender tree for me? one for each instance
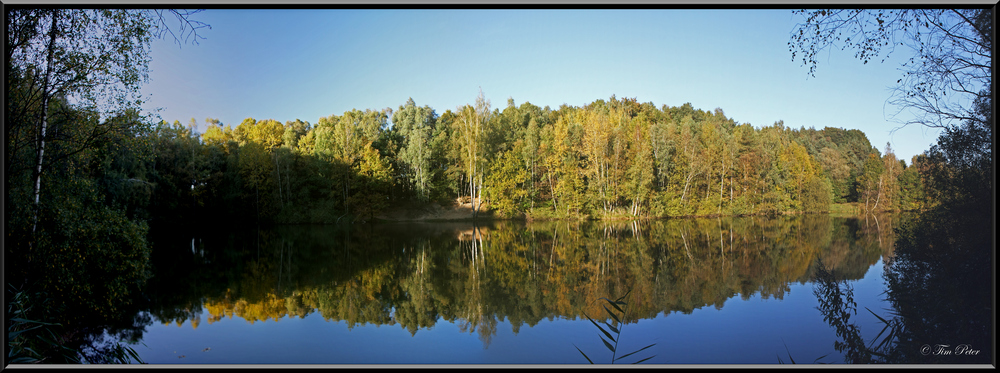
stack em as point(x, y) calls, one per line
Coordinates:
point(473, 122)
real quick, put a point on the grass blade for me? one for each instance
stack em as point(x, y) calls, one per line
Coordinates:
point(634, 352)
point(23, 360)
point(610, 347)
point(789, 352)
point(584, 355)
point(879, 317)
point(614, 329)
point(135, 355)
point(876, 353)
point(14, 334)
point(623, 296)
point(637, 362)
point(614, 304)
point(600, 328)
point(26, 321)
point(880, 333)
point(612, 314)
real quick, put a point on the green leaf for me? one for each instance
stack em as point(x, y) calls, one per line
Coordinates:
point(23, 360)
point(14, 334)
point(26, 321)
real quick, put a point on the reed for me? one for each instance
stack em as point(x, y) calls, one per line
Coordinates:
point(30, 341)
point(612, 335)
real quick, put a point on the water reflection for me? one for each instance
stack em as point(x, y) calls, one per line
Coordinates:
point(939, 287)
point(476, 276)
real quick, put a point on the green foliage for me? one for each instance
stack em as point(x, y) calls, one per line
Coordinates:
point(30, 341)
point(474, 130)
point(81, 169)
point(870, 182)
point(89, 238)
point(817, 195)
point(416, 125)
point(836, 168)
point(293, 132)
point(374, 177)
point(911, 191)
point(958, 170)
point(938, 257)
point(506, 185)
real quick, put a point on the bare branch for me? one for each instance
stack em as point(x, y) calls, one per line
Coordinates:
point(951, 65)
point(187, 29)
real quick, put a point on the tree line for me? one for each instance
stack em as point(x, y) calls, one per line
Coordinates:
point(609, 159)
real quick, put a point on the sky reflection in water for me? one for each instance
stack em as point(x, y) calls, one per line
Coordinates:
point(729, 331)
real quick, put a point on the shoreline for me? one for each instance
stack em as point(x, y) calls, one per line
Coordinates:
point(434, 212)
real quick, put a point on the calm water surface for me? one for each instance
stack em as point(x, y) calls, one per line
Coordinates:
point(716, 291)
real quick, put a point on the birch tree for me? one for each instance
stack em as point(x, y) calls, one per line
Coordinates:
point(416, 126)
point(472, 127)
point(92, 58)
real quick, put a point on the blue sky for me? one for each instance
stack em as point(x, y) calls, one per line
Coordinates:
point(306, 64)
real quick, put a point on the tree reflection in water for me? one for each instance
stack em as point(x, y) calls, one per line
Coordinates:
point(938, 282)
point(419, 275)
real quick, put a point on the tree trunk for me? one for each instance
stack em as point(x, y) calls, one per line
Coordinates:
point(472, 191)
point(347, 192)
point(879, 196)
point(277, 170)
point(722, 184)
point(687, 182)
point(552, 190)
point(43, 119)
point(288, 184)
point(479, 197)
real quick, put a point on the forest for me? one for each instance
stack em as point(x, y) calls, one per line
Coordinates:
point(608, 159)
point(87, 175)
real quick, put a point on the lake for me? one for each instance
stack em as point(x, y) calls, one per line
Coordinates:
point(731, 290)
